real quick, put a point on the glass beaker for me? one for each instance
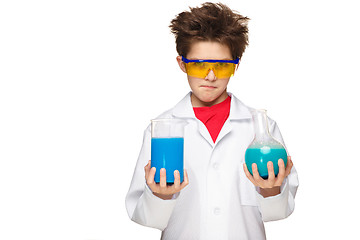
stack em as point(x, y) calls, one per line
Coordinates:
point(264, 147)
point(167, 147)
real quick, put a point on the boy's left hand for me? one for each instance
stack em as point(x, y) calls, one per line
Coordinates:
point(270, 186)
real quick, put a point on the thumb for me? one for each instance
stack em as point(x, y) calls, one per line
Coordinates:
point(147, 169)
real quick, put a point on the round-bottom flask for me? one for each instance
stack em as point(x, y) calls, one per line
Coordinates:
point(264, 147)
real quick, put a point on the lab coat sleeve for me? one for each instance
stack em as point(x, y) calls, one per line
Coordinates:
point(282, 205)
point(142, 205)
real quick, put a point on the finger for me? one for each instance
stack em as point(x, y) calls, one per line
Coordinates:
point(271, 174)
point(281, 175)
point(147, 165)
point(151, 179)
point(177, 180)
point(289, 166)
point(186, 180)
point(258, 180)
point(163, 178)
point(248, 174)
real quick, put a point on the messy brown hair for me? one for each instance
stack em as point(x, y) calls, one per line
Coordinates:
point(210, 22)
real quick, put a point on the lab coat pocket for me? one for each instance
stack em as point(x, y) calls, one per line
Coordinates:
point(247, 190)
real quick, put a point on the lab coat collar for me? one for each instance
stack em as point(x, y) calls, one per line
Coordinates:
point(238, 110)
point(184, 108)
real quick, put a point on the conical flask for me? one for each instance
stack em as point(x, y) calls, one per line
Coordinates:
point(264, 147)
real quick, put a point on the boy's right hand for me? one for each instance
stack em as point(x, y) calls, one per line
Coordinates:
point(162, 190)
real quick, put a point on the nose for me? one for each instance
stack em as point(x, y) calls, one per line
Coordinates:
point(211, 76)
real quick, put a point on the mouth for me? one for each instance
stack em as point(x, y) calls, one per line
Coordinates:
point(207, 87)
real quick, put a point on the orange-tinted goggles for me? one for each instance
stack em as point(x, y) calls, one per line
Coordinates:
point(201, 68)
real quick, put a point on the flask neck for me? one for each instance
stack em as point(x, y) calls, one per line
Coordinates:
point(261, 125)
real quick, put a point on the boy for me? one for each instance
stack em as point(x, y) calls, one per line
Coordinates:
point(219, 198)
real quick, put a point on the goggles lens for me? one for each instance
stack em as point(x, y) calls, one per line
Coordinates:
point(201, 68)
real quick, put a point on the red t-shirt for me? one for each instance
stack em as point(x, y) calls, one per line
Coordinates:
point(214, 117)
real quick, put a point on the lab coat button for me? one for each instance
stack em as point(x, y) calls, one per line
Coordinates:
point(216, 211)
point(216, 166)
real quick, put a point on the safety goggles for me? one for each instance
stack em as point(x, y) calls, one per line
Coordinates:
point(201, 68)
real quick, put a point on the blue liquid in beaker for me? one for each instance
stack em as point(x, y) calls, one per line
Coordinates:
point(167, 153)
point(261, 156)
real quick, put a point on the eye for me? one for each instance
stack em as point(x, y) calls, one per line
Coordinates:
point(221, 65)
point(199, 64)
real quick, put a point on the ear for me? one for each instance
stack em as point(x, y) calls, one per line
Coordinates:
point(181, 64)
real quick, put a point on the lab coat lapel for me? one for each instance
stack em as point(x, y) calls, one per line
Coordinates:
point(184, 109)
point(205, 133)
point(226, 128)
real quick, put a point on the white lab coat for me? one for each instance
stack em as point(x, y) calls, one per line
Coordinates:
point(219, 202)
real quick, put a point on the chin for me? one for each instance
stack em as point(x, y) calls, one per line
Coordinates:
point(208, 99)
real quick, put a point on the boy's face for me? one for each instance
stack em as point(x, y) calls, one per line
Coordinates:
point(209, 90)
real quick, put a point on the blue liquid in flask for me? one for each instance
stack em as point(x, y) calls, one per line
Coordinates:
point(167, 153)
point(261, 155)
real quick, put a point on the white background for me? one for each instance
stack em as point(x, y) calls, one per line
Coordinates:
point(80, 81)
